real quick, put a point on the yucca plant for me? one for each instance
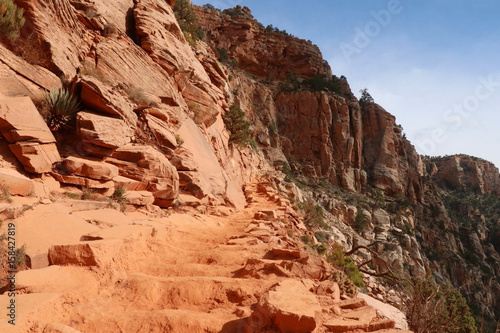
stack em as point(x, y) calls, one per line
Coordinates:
point(11, 19)
point(62, 109)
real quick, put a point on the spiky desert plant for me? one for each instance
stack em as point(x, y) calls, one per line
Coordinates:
point(11, 19)
point(62, 108)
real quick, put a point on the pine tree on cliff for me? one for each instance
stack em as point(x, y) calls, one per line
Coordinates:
point(366, 98)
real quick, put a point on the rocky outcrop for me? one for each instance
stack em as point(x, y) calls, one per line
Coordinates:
point(324, 133)
point(262, 53)
point(463, 173)
point(151, 168)
point(392, 163)
point(30, 138)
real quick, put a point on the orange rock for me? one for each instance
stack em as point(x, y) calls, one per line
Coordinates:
point(93, 169)
point(21, 121)
point(294, 309)
point(151, 168)
point(103, 131)
point(36, 157)
point(93, 253)
point(16, 183)
point(139, 198)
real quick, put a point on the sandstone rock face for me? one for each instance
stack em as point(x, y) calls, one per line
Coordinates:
point(464, 172)
point(16, 183)
point(325, 132)
point(103, 131)
point(90, 168)
point(392, 163)
point(32, 142)
point(21, 121)
point(35, 77)
point(35, 157)
point(61, 34)
point(163, 39)
point(151, 168)
point(264, 54)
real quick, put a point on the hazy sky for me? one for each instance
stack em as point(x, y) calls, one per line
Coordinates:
point(433, 64)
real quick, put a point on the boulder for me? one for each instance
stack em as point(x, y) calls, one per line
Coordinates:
point(151, 168)
point(97, 96)
point(21, 121)
point(103, 131)
point(16, 183)
point(36, 157)
point(139, 198)
point(162, 132)
point(290, 309)
point(11, 84)
point(88, 168)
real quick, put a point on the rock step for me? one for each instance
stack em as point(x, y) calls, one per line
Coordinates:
point(167, 320)
point(352, 303)
point(200, 293)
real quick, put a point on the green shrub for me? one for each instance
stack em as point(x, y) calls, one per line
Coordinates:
point(236, 11)
point(238, 127)
point(322, 236)
point(346, 264)
point(360, 222)
point(179, 140)
point(313, 215)
point(11, 20)
point(186, 16)
point(62, 109)
point(119, 192)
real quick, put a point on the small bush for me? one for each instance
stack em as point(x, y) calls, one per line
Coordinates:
point(62, 108)
point(179, 140)
point(5, 194)
point(20, 256)
point(11, 20)
point(360, 222)
point(236, 11)
point(313, 215)
point(338, 259)
point(235, 122)
point(139, 97)
point(119, 192)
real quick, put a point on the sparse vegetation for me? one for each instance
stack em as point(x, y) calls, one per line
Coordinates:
point(346, 264)
point(433, 308)
point(20, 256)
point(5, 194)
point(61, 109)
point(313, 215)
point(235, 122)
point(179, 140)
point(236, 11)
point(360, 221)
point(226, 59)
point(11, 20)
point(195, 108)
point(186, 16)
point(139, 97)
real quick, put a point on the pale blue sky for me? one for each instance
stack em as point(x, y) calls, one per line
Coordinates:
point(433, 64)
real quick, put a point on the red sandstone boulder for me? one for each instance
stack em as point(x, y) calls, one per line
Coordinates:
point(151, 168)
